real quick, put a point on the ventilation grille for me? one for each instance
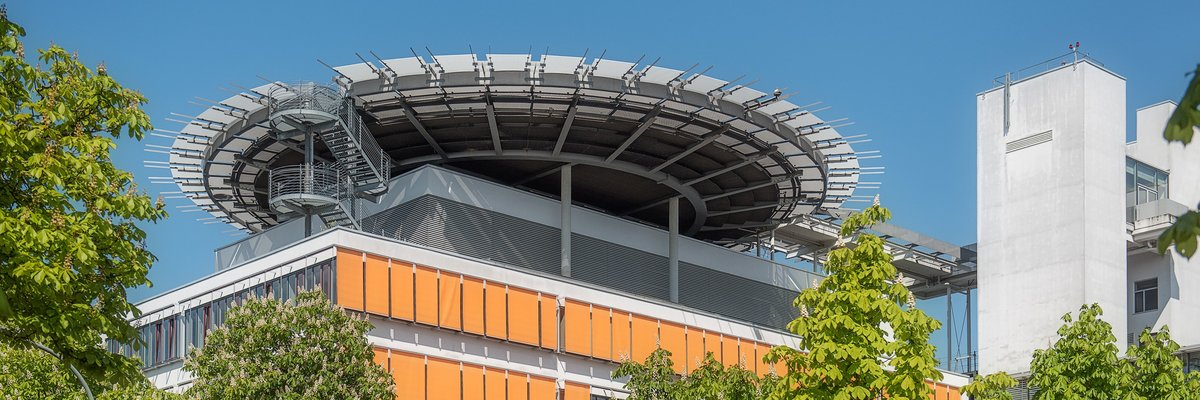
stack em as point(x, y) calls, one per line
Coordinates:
point(736, 296)
point(1030, 141)
point(1023, 391)
point(470, 231)
point(475, 232)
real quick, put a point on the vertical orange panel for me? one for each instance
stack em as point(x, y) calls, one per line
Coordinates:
point(522, 316)
point(695, 348)
point(620, 336)
point(577, 391)
point(402, 290)
point(381, 357)
point(760, 366)
point(376, 287)
point(427, 295)
point(746, 355)
point(518, 386)
point(645, 337)
point(472, 305)
point(712, 344)
point(409, 372)
point(495, 310)
point(542, 388)
point(450, 303)
point(444, 380)
point(729, 351)
point(472, 382)
point(673, 340)
point(577, 328)
point(494, 385)
point(601, 333)
point(349, 279)
point(548, 307)
point(952, 393)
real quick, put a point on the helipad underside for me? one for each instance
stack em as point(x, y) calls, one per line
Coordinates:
point(740, 160)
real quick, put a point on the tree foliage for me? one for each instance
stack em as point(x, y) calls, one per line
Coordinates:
point(1180, 128)
point(69, 246)
point(1082, 363)
point(305, 348)
point(844, 327)
point(990, 387)
point(1152, 370)
point(27, 373)
point(655, 379)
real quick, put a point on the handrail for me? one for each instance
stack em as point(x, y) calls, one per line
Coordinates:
point(316, 179)
point(357, 131)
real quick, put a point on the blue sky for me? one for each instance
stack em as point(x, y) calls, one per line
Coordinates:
point(904, 72)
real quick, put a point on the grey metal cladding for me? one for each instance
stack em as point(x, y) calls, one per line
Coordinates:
point(619, 267)
point(735, 296)
point(470, 231)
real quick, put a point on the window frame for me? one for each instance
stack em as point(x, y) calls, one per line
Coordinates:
point(1144, 295)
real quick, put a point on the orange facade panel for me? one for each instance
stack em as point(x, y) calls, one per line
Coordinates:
point(576, 328)
point(444, 380)
point(518, 386)
point(577, 391)
point(350, 279)
point(381, 357)
point(402, 290)
point(746, 355)
point(952, 393)
point(472, 307)
point(695, 349)
point(548, 309)
point(601, 333)
point(522, 316)
point(426, 282)
point(408, 370)
point(712, 344)
point(621, 349)
point(673, 339)
point(760, 366)
point(729, 351)
point(495, 310)
point(542, 388)
point(645, 337)
point(472, 381)
point(494, 385)
point(450, 301)
point(375, 278)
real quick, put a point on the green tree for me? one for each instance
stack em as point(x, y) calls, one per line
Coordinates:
point(1153, 371)
point(1082, 363)
point(1180, 128)
point(305, 348)
point(990, 387)
point(33, 374)
point(69, 243)
point(844, 327)
point(655, 379)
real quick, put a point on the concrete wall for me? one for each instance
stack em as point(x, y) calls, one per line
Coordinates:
point(1179, 278)
point(1051, 215)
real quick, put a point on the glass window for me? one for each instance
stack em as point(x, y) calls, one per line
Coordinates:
point(1143, 183)
point(1145, 295)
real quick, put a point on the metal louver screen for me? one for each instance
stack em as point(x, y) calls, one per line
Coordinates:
point(619, 267)
point(735, 296)
point(470, 231)
point(475, 232)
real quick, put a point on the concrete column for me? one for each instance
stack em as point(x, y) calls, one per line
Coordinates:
point(565, 222)
point(308, 174)
point(949, 327)
point(673, 247)
point(970, 354)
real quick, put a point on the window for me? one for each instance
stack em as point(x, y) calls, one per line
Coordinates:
point(1145, 295)
point(1143, 183)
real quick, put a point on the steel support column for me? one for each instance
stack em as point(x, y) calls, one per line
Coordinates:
point(949, 327)
point(565, 221)
point(673, 247)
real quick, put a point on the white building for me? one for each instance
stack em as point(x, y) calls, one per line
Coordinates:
point(1058, 228)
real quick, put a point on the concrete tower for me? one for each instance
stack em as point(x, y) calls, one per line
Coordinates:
point(1051, 201)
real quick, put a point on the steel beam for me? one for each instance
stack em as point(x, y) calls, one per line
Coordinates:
point(412, 117)
point(562, 135)
point(646, 122)
point(750, 159)
point(492, 126)
point(744, 209)
point(704, 141)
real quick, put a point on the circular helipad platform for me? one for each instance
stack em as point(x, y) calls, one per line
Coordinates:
point(740, 160)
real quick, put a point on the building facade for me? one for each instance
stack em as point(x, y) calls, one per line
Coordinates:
point(513, 226)
point(1060, 225)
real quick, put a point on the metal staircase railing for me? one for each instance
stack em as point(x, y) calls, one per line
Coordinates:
point(363, 168)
